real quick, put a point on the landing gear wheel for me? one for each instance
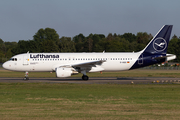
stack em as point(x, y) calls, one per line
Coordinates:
point(26, 78)
point(85, 77)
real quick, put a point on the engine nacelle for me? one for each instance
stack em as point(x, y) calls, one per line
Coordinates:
point(63, 72)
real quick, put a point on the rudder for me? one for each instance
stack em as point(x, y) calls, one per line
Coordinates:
point(159, 44)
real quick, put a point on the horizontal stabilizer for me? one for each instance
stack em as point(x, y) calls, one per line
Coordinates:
point(168, 57)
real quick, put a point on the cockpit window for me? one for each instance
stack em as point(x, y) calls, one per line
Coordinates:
point(13, 59)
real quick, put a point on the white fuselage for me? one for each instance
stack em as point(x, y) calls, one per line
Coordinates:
point(50, 61)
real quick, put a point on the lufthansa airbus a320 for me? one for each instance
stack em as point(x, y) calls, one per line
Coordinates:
point(67, 64)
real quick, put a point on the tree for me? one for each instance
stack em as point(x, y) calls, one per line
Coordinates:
point(114, 46)
point(33, 46)
point(9, 46)
point(173, 48)
point(79, 38)
point(110, 36)
point(90, 44)
point(2, 57)
point(45, 39)
point(79, 41)
point(9, 54)
point(129, 36)
point(46, 34)
point(1, 41)
point(142, 38)
point(49, 46)
point(22, 47)
point(93, 43)
point(66, 45)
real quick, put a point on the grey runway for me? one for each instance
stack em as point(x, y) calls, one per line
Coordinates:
point(112, 80)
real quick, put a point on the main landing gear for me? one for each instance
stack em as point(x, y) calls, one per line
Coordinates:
point(26, 76)
point(85, 77)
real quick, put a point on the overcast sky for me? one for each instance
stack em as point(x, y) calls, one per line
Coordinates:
point(21, 19)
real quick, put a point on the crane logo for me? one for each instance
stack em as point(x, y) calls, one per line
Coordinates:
point(159, 44)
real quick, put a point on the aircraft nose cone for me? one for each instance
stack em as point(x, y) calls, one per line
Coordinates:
point(5, 65)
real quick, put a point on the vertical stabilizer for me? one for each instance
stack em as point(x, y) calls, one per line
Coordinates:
point(159, 44)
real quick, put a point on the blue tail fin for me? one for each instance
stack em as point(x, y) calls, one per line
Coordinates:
point(159, 44)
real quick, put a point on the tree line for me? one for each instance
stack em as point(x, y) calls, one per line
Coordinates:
point(47, 40)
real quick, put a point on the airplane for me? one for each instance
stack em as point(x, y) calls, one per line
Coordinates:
point(67, 64)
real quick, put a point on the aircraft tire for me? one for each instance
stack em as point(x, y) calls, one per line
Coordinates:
point(85, 77)
point(26, 78)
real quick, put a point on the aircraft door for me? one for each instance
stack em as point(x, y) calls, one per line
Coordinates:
point(26, 59)
point(140, 60)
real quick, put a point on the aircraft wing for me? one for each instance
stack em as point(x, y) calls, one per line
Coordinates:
point(85, 64)
point(88, 64)
point(93, 66)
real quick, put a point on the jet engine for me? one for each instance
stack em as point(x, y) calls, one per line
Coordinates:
point(63, 72)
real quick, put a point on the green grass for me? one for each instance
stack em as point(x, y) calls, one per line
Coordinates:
point(90, 101)
point(81, 101)
point(131, 73)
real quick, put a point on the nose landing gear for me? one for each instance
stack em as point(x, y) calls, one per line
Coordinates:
point(26, 76)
